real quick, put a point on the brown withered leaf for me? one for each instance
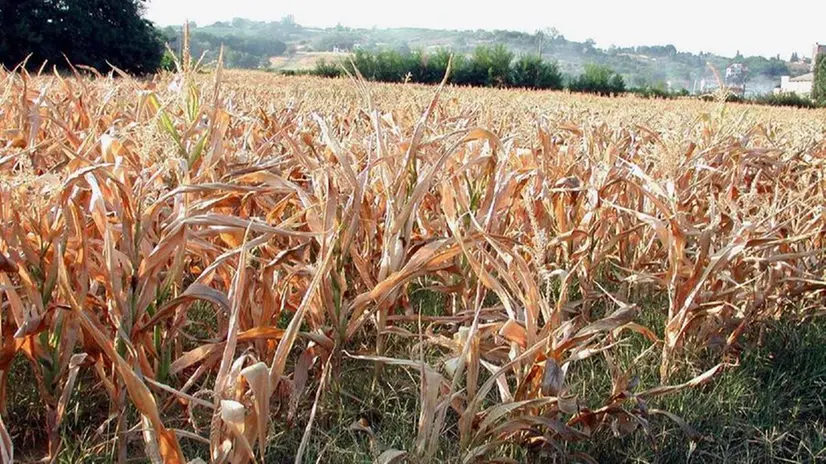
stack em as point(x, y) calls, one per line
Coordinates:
point(7, 265)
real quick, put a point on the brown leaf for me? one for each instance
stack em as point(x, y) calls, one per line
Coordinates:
point(7, 265)
point(699, 380)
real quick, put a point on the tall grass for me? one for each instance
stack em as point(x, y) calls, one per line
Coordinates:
point(208, 246)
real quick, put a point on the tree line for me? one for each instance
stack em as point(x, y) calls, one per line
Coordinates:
point(487, 66)
point(104, 33)
point(497, 66)
point(242, 52)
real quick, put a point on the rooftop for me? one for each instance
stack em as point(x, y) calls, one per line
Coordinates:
point(810, 77)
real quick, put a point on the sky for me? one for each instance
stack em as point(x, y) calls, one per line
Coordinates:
point(754, 27)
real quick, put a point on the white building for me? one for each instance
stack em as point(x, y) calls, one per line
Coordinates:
point(801, 85)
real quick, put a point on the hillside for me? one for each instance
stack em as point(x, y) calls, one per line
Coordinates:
point(286, 45)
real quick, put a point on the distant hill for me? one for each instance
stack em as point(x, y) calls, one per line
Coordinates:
point(286, 45)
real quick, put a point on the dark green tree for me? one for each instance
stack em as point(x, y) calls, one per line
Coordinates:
point(598, 79)
point(88, 32)
point(617, 84)
point(533, 72)
point(436, 65)
point(819, 84)
point(490, 66)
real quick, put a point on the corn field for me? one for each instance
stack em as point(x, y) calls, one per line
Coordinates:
point(303, 216)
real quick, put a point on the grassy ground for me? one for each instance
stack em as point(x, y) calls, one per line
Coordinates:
point(769, 409)
point(303, 61)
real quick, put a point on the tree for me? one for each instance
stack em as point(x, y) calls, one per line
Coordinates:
point(532, 72)
point(436, 65)
point(540, 37)
point(88, 32)
point(490, 66)
point(552, 33)
point(598, 79)
point(617, 84)
point(240, 23)
point(819, 84)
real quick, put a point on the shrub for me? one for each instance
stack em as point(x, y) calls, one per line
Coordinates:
point(325, 69)
point(598, 79)
point(658, 92)
point(167, 62)
point(786, 99)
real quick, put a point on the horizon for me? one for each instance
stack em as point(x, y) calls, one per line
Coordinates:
point(632, 23)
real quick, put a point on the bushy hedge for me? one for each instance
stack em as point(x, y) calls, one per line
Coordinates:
point(598, 79)
point(498, 67)
point(324, 68)
point(487, 67)
point(657, 92)
point(785, 99)
point(533, 73)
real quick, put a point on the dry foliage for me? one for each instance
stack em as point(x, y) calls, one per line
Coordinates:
point(304, 211)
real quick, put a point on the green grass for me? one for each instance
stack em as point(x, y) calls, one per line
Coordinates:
point(768, 409)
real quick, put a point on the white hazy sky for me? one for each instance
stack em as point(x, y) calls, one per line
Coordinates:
point(755, 27)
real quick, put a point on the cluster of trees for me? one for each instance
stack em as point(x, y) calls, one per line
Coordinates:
point(240, 51)
point(761, 66)
point(598, 79)
point(641, 66)
point(494, 66)
point(785, 99)
point(498, 67)
point(341, 40)
point(487, 67)
point(99, 32)
point(87, 32)
point(286, 29)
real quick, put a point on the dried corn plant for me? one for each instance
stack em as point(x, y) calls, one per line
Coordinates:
point(300, 213)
